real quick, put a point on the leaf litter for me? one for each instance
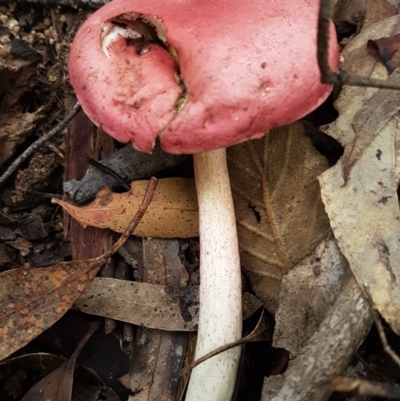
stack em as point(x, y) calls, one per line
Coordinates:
point(150, 305)
point(360, 191)
point(279, 212)
point(346, 134)
point(34, 299)
point(173, 213)
point(307, 293)
point(57, 385)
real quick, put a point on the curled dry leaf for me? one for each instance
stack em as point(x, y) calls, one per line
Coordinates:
point(173, 212)
point(365, 218)
point(150, 305)
point(280, 216)
point(386, 50)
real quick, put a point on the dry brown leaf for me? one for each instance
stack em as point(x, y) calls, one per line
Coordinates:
point(150, 305)
point(349, 11)
point(57, 385)
point(31, 299)
point(386, 50)
point(34, 299)
point(365, 218)
point(280, 216)
point(369, 120)
point(362, 13)
point(16, 123)
point(47, 388)
point(357, 61)
point(362, 204)
point(173, 212)
point(394, 3)
point(377, 10)
point(364, 111)
point(308, 291)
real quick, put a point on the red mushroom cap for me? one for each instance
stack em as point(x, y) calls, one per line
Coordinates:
point(247, 66)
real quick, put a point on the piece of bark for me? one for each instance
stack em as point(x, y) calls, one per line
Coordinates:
point(108, 270)
point(158, 356)
point(83, 140)
point(327, 353)
point(129, 164)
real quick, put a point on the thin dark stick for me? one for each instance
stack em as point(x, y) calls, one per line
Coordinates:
point(382, 335)
point(107, 170)
point(325, 16)
point(44, 194)
point(37, 144)
point(341, 77)
point(255, 335)
point(151, 187)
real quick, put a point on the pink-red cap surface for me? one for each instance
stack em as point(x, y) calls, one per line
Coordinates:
point(247, 66)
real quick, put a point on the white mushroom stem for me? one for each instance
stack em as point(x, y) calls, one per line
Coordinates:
point(220, 318)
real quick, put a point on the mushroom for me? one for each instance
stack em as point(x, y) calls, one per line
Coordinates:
point(200, 76)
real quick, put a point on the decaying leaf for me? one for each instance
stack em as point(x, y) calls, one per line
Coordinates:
point(30, 367)
point(280, 216)
point(16, 123)
point(57, 385)
point(365, 218)
point(362, 13)
point(47, 388)
point(357, 61)
point(150, 305)
point(34, 299)
point(308, 291)
point(173, 213)
point(364, 111)
point(360, 191)
point(31, 299)
point(348, 11)
point(386, 50)
point(369, 120)
point(29, 226)
point(377, 10)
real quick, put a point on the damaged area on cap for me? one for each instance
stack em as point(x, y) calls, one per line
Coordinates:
point(125, 79)
point(112, 32)
point(195, 82)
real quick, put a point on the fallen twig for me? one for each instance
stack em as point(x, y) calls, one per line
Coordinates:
point(36, 145)
point(341, 77)
point(327, 353)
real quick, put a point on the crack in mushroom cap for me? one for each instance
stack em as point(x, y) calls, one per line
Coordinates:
point(246, 66)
